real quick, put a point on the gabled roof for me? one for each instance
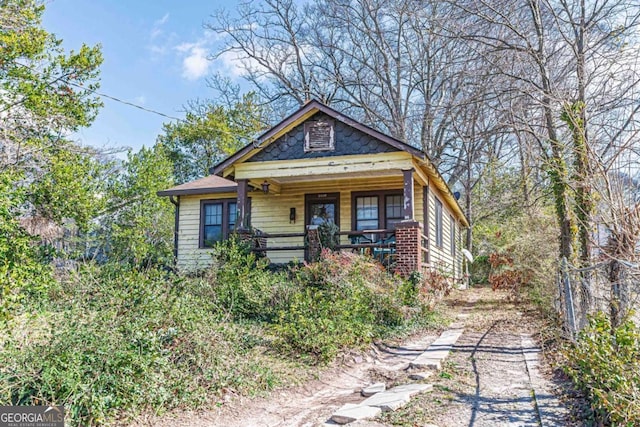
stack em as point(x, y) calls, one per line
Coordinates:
point(309, 109)
point(206, 185)
point(217, 184)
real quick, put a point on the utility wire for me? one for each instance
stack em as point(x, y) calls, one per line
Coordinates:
point(131, 104)
point(104, 95)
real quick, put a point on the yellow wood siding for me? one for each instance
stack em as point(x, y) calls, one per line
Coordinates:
point(366, 163)
point(270, 214)
point(440, 257)
point(190, 256)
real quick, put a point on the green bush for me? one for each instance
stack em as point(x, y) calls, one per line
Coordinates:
point(341, 301)
point(606, 366)
point(479, 270)
point(108, 341)
point(112, 342)
point(243, 286)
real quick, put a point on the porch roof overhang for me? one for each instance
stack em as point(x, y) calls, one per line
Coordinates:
point(207, 185)
point(323, 168)
point(281, 172)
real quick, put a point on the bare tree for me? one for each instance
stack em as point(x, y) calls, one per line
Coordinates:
point(564, 59)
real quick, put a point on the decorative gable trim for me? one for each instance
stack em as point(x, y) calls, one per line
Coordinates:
point(319, 135)
point(296, 118)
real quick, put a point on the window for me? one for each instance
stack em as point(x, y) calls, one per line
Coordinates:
point(395, 207)
point(383, 209)
point(452, 235)
point(367, 213)
point(438, 222)
point(217, 220)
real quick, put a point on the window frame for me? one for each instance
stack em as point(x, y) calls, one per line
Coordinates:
point(382, 205)
point(452, 235)
point(439, 226)
point(225, 218)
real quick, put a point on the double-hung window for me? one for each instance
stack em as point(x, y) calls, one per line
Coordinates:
point(217, 220)
point(378, 210)
point(452, 235)
point(394, 210)
point(438, 222)
point(367, 213)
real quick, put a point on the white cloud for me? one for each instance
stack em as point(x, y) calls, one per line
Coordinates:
point(162, 20)
point(230, 64)
point(156, 29)
point(195, 65)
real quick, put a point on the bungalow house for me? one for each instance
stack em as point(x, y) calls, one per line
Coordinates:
point(317, 167)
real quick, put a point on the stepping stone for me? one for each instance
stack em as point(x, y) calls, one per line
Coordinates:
point(411, 389)
point(419, 376)
point(437, 351)
point(387, 401)
point(373, 389)
point(396, 397)
point(422, 362)
point(351, 412)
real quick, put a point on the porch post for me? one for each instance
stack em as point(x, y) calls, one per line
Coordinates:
point(408, 194)
point(242, 205)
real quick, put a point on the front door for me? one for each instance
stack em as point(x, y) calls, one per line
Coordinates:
point(322, 209)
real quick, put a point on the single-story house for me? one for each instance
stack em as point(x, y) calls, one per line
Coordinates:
point(316, 167)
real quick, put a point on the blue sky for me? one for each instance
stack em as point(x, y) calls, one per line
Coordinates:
point(154, 55)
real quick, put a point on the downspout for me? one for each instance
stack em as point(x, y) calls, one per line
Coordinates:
point(176, 203)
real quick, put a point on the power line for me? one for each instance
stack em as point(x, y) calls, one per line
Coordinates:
point(131, 104)
point(113, 98)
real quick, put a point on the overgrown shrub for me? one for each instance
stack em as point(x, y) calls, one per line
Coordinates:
point(524, 249)
point(341, 301)
point(109, 341)
point(479, 270)
point(243, 286)
point(606, 366)
point(112, 342)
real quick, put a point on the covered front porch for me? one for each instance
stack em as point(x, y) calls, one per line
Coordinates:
point(363, 204)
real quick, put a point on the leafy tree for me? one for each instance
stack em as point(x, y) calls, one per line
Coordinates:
point(23, 264)
point(45, 91)
point(58, 194)
point(209, 133)
point(137, 226)
point(44, 94)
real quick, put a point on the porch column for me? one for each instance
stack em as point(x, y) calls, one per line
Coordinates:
point(242, 205)
point(408, 194)
point(408, 247)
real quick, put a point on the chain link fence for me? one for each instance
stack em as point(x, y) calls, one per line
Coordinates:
point(612, 287)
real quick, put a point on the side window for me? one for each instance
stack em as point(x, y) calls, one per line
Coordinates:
point(217, 219)
point(452, 235)
point(212, 227)
point(438, 222)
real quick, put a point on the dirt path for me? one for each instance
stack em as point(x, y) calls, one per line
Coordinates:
point(314, 403)
point(484, 382)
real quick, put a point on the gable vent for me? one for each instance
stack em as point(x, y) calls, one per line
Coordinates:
point(319, 135)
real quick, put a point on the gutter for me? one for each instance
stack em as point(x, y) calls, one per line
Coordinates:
point(176, 203)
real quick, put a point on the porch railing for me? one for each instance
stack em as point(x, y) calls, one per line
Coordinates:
point(379, 243)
